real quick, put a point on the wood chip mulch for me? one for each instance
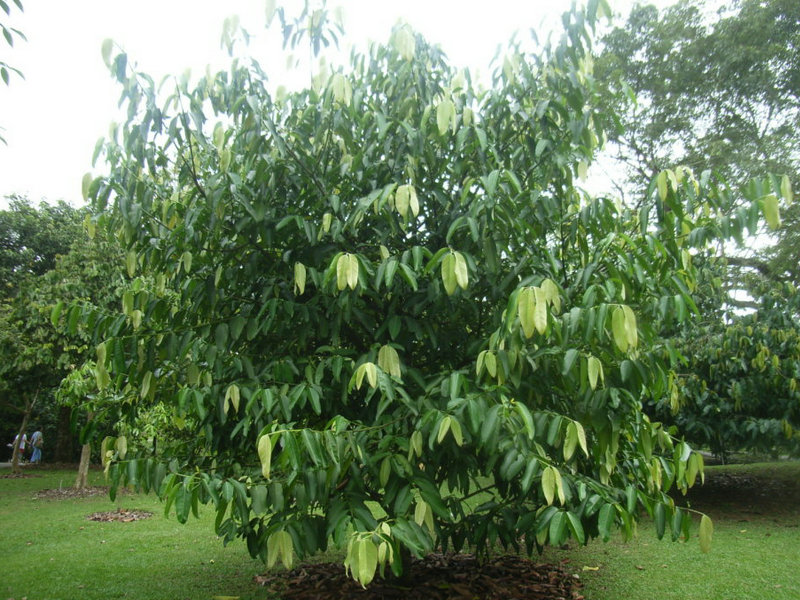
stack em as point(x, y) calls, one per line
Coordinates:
point(122, 515)
point(71, 492)
point(436, 577)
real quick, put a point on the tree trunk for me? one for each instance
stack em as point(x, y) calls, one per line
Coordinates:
point(81, 480)
point(29, 404)
point(83, 467)
point(63, 452)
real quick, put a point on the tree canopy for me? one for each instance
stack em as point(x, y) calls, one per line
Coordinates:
point(387, 311)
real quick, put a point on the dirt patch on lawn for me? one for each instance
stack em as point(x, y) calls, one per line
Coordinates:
point(71, 493)
point(121, 515)
point(436, 577)
point(744, 491)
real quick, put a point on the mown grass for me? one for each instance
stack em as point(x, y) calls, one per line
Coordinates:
point(755, 552)
point(50, 551)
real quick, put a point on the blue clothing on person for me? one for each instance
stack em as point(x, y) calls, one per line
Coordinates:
point(36, 442)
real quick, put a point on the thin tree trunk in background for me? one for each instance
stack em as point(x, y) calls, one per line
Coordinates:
point(29, 404)
point(82, 479)
point(83, 468)
point(63, 452)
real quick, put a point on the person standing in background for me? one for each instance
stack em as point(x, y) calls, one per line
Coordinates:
point(37, 442)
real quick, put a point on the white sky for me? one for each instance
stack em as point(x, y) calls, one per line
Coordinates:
point(52, 119)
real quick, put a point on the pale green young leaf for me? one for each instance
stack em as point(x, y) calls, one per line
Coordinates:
point(121, 446)
point(526, 307)
point(444, 427)
point(445, 114)
point(460, 270)
point(449, 273)
point(570, 441)
point(491, 363)
point(352, 271)
point(389, 361)
point(661, 183)
point(455, 429)
point(549, 485)
point(618, 329)
point(402, 198)
point(86, 183)
point(367, 561)
point(552, 294)
point(631, 328)
point(786, 189)
point(299, 278)
point(594, 369)
point(342, 267)
point(771, 211)
point(372, 374)
point(540, 310)
point(265, 454)
point(130, 263)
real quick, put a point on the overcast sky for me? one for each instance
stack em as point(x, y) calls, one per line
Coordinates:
point(52, 119)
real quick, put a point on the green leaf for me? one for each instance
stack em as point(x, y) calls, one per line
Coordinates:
point(571, 441)
point(661, 183)
point(706, 533)
point(526, 306)
point(265, 454)
point(86, 183)
point(631, 328)
point(105, 51)
point(449, 273)
point(55, 313)
point(372, 374)
point(389, 361)
point(342, 271)
point(299, 278)
point(605, 521)
point(570, 356)
point(549, 485)
point(786, 189)
point(771, 211)
point(460, 270)
point(445, 114)
point(146, 383)
point(540, 310)
point(444, 427)
point(618, 329)
point(594, 370)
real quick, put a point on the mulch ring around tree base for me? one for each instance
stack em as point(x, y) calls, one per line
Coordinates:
point(436, 577)
point(68, 493)
point(123, 515)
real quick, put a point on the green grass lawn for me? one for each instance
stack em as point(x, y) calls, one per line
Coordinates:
point(50, 551)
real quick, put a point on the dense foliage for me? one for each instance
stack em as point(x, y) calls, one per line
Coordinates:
point(716, 87)
point(387, 313)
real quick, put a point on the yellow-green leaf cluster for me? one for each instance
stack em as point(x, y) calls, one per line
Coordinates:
point(454, 272)
point(347, 271)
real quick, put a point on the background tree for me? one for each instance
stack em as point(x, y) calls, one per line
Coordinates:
point(394, 318)
point(717, 89)
point(49, 263)
point(31, 239)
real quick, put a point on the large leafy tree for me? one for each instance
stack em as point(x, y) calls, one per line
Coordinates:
point(393, 319)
